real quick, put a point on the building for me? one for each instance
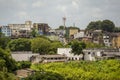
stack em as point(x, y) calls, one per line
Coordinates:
point(80, 34)
point(107, 39)
point(116, 40)
point(92, 54)
point(100, 54)
point(70, 31)
point(6, 30)
point(23, 55)
point(68, 53)
point(41, 28)
point(19, 30)
point(48, 58)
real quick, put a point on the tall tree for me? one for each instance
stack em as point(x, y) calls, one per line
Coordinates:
point(107, 25)
point(20, 44)
point(77, 47)
point(94, 25)
point(54, 46)
point(40, 45)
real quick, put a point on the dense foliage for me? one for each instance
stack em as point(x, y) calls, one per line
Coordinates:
point(77, 47)
point(40, 45)
point(4, 41)
point(23, 64)
point(6, 61)
point(105, 25)
point(7, 76)
point(45, 75)
point(81, 70)
point(20, 44)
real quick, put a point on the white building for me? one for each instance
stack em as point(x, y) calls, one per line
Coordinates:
point(68, 53)
point(106, 40)
point(6, 30)
point(92, 54)
point(80, 34)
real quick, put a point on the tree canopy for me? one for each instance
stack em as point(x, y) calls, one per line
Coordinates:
point(77, 47)
point(105, 25)
point(20, 44)
point(40, 45)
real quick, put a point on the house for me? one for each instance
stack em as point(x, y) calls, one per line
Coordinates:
point(80, 34)
point(92, 54)
point(6, 30)
point(100, 54)
point(41, 28)
point(116, 40)
point(68, 53)
point(70, 31)
point(48, 58)
point(23, 56)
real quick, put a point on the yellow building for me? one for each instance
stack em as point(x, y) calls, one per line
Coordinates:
point(73, 31)
point(116, 41)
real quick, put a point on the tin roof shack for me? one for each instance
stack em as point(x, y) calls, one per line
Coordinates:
point(48, 58)
point(23, 73)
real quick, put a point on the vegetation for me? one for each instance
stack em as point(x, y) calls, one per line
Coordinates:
point(77, 47)
point(40, 45)
point(23, 64)
point(81, 70)
point(45, 76)
point(20, 44)
point(6, 61)
point(4, 41)
point(105, 25)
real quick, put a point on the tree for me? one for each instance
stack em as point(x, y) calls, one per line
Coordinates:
point(45, 76)
point(4, 41)
point(20, 44)
point(107, 25)
point(94, 25)
point(6, 61)
point(61, 27)
point(40, 45)
point(77, 47)
point(54, 46)
point(34, 33)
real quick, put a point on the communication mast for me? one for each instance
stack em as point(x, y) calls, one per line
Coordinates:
point(64, 20)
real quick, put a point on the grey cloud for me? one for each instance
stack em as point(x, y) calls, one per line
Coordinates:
point(80, 12)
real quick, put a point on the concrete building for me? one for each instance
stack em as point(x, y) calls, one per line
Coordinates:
point(101, 54)
point(21, 29)
point(80, 34)
point(116, 40)
point(68, 53)
point(48, 58)
point(6, 30)
point(92, 54)
point(41, 28)
point(23, 55)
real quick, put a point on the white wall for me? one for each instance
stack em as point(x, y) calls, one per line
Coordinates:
point(68, 52)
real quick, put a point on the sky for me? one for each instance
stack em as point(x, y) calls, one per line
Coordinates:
point(78, 12)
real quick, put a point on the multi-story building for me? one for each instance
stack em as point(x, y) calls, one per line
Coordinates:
point(21, 29)
point(6, 30)
point(41, 28)
point(70, 31)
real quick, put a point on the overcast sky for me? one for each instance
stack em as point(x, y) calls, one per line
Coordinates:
point(80, 12)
